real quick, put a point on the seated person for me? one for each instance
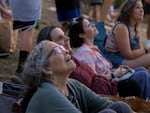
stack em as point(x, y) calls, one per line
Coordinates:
point(83, 73)
point(49, 90)
point(82, 34)
point(123, 45)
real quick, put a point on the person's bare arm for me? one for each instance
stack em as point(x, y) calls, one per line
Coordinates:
point(139, 29)
point(4, 11)
point(123, 42)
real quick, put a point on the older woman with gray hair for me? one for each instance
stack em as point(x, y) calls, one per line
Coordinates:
point(49, 90)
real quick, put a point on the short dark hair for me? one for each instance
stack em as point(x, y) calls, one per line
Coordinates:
point(126, 8)
point(76, 28)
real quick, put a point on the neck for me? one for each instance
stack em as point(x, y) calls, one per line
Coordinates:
point(89, 42)
point(61, 83)
point(132, 23)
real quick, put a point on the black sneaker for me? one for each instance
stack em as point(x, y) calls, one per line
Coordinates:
point(4, 54)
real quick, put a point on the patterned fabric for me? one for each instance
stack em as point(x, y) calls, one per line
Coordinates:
point(98, 83)
point(92, 56)
point(112, 51)
point(110, 44)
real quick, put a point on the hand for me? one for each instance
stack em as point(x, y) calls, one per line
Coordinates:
point(120, 71)
point(7, 14)
point(67, 44)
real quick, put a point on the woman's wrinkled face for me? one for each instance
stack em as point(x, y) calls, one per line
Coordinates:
point(59, 59)
point(89, 29)
point(138, 11)
point(59, 36)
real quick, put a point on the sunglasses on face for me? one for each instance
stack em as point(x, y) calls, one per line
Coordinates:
point(56, 49)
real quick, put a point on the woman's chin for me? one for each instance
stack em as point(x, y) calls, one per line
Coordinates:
point(72, 65)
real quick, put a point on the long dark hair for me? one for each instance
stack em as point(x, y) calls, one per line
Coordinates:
point(126, 10)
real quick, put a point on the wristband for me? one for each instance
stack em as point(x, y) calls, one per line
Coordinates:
point(112, 75)
point(146, 50)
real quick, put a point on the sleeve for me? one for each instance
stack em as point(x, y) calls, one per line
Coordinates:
point(91, 100)
point(87, 57)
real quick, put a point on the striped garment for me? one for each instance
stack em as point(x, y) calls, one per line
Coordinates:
point(92, 56)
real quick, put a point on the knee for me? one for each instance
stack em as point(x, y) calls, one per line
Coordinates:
point(120, 107)
point(107, 111)
point(141, 69)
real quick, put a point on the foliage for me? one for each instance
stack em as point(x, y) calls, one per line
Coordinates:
point(118, 3)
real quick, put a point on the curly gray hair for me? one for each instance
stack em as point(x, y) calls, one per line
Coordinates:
point(32, 72)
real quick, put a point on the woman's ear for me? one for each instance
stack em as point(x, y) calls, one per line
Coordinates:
point(47, 70)
point(82, 35)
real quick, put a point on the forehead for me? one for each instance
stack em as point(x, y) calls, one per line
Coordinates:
point(56, 32)
point(50, 45)
point(139, 2)
point(85, 22)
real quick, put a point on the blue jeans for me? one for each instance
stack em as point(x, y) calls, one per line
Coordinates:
point(142, 76)
point(117, 107)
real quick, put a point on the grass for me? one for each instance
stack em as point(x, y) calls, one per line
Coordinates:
point(8, 65)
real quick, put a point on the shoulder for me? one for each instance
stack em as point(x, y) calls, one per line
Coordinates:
point(120, 28)
point(47, 90)
point(81, 51)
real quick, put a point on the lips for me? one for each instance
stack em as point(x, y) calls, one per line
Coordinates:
point(68, 59)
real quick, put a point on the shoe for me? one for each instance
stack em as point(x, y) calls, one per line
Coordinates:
point(4, 54)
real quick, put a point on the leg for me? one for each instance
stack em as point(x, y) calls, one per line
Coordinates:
point(26, 39)
point(105, 8)
point(107, 111)
point(91, 12)
point(98, 12)
point(142, 61)
point(148, 30)
point(142, 76)
point(120, 107)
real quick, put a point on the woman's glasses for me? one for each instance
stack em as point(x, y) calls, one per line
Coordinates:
point(57, 49)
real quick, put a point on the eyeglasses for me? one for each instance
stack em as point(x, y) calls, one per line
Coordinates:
point(57, 49)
